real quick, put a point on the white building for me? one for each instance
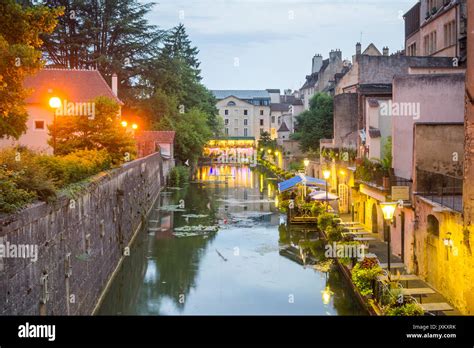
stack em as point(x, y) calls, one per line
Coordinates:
point(246, 113)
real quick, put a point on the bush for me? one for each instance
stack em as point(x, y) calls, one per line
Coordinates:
point(27, 176)
point(334, 234)
point(178, 176)
point(28, 173)
point(325, 220)
point(364, 277)
point(406, 309)
point(12, 197)
point(75, 166)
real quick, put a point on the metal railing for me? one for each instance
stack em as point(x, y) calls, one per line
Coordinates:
point(440, 188)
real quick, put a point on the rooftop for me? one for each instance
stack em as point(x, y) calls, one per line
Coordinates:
point(279, 107)
point(241, 94)
point(72, 85)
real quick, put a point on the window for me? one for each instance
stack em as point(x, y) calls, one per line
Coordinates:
point(226, 122)
point(227, 131)
point(261, 122)
point(450, 34)
point(39, 125)
point(246, 122)
point(411, 50)
point(273, 119)
point(231, 103)
point(246, 132)
point(226, 112)
point(433, 225)
point(429, 43)
point(261, 112)
point(236, 131)
point(246, 112)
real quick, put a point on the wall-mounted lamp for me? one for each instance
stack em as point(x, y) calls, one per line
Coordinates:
point(448, 242)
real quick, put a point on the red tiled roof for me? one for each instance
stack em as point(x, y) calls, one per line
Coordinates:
point(72, 85)
point(164, 137)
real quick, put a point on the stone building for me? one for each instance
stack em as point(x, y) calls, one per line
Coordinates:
point(436, 28)
point(322, 76)
point(246, 113)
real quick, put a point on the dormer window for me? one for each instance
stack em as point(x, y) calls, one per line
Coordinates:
point(231, 103)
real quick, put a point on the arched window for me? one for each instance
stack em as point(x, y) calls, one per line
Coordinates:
point(231, 103)
point(433, 225)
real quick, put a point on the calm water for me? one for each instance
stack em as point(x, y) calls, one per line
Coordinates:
point(237, 270)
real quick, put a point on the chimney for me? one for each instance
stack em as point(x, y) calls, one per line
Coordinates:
point(317, 63)
point(358, 48)
point(385, 51)
point(115, 84)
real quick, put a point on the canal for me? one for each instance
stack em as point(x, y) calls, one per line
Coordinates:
point(221, 247)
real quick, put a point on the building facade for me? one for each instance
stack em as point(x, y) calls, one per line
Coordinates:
point(74, 88)
point(437, 28)
point(246, 113)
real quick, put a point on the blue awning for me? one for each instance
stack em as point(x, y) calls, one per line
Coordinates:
point(299, 179)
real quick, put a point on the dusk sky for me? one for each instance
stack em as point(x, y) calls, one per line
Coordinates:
point(259, 44)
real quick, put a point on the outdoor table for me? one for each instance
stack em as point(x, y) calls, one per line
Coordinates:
point(356, 228)
point(348, 223)
point(365, 240)
point(393, 265)
point(418, 292)
point(436, 307)
point(402, 277)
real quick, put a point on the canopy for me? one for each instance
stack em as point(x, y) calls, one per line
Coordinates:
point(299, 180)
point(321, 196)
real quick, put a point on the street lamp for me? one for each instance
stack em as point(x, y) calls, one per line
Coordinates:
point(388, 209)
point(326, 175)
point(124, 124)
point(134, 126)
point(54, 103)
point(306, 164)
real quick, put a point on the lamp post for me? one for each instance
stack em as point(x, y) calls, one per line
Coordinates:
point(54, 103)
point(388, 209)
point(326, 174)
point(306, 164)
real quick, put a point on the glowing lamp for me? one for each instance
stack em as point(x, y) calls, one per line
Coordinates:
point(326, 174)
point(134, 126)
point(388, 210)
point(55, 102)
point(306, 162)
point(124, 123)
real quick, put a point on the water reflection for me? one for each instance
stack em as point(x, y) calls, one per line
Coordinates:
point(251, 265)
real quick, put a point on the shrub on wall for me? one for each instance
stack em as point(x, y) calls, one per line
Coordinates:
point(27, 176)
point(178, 176)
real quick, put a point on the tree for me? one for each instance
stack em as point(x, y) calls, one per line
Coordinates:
point(104, 131)
point(316, 123)
point(110, 35)
point(176, 73)
point(20, 31)
point(192, 133)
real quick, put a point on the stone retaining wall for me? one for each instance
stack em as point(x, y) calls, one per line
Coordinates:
point(80, 241)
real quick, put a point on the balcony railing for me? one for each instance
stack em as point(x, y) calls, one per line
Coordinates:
point(442, 189)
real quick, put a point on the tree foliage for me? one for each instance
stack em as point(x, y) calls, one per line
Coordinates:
point(175, 73)
point(20, 41)
point(192, 133)
point(112, 36)
point(104, 131)
point(316, 123)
